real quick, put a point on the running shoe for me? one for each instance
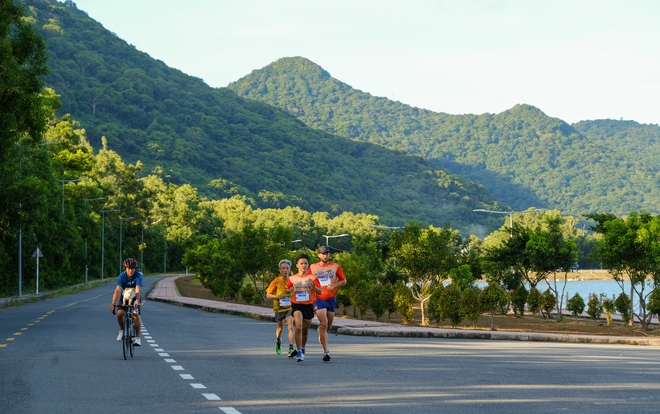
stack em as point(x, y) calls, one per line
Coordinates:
point(136, 341)
point(292, 352)
point(301, 356)
point(278, 347)
point(326, 356)
point(303, 350)
point(121, 335)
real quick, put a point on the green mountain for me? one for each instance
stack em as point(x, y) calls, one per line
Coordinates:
point(523, 157)
point(189, 132)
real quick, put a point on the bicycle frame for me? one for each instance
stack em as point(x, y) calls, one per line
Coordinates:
point(129, 329)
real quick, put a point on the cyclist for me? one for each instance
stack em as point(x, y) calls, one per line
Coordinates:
point(129, 278)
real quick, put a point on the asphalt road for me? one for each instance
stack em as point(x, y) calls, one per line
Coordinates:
point(61, 356)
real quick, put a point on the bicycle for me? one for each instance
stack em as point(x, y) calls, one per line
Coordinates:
point(129, 328)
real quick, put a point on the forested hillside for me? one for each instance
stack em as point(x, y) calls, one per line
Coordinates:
point(523, 157)
point(188, 132)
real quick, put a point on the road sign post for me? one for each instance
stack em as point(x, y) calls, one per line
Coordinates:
point(37, 253)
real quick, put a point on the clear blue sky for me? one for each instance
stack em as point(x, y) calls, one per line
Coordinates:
point(573, 59)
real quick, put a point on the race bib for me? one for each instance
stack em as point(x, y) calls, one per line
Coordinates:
point(325, 280)
point(285, 302)
point(302, 296)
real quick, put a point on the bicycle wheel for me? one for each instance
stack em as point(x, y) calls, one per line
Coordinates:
point(126, 340)
point(131, 345)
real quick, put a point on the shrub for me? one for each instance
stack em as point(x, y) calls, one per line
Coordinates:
point(450, 304)
point(576, 305)
point(493, 297)
point(594, 307)
point(250, 295)
point(434, 303)
point(404, 300)
point(622, 304)
point(471, 309)
point(518, 300)
point(534, 300)
point(653, 302)
point(549, 302)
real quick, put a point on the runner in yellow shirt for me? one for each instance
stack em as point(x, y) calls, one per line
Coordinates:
point(282, 306)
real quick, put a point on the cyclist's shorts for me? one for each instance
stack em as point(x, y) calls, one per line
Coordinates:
point(329, 304)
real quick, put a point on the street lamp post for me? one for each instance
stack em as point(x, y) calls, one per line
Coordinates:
point(121, 232)
point(85, 200)
point(64, 182)
point(103, 239)
point(327, 238)
point(510, 213)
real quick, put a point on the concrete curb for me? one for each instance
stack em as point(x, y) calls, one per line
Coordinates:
point(165, 291)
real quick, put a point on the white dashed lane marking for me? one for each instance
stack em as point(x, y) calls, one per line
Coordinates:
point(195, 385)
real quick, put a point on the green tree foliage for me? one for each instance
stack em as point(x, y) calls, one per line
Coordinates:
point(435, 312)
point(426, 256)
point(534, 300)
point(629, 248)
point(471, 308)
point(404, 301)
point(216, 268)
point(576, 305)
point(22, 66)
point(654, 302)
point(493, 297)
point(594, 307)
point(549, 302)
point(550, 252)
point(450, 304)
point(518, 300)
point(623, 305)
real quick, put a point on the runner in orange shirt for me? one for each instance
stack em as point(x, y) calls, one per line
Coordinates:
point(304, 288)
point(330, 276)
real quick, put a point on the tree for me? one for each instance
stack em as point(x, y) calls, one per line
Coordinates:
point(518, 300)
point(493, 297)
point(550, 252)
point(426, 256)
point(629, 249)
point(576, 305)
point(22, 64)
point(594, 307)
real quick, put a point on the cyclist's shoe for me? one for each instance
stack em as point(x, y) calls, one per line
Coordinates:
point(121, 335)
point(301, 356)
point(292, 352)
point(326, 356)
point(136, 341)
point(278, 347)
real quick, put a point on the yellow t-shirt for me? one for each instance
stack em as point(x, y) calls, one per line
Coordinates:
point(277, 287)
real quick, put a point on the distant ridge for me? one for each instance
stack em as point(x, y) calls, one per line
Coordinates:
point(522, 156)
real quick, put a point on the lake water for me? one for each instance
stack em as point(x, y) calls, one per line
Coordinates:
point(607, 288)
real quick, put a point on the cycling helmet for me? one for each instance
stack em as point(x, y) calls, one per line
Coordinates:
point(130, 263)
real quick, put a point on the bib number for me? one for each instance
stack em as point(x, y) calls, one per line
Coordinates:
point(302, 296)
point(285, 302)
point(325, 280)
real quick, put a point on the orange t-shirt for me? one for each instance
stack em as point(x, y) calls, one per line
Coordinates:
point(326, 275)
point(304, 293)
